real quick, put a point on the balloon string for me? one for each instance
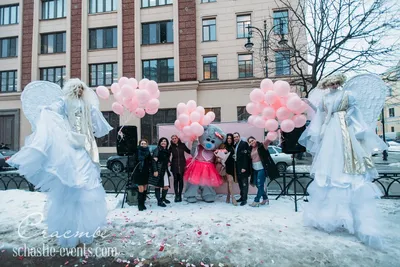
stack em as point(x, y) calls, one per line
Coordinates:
point(120, 133)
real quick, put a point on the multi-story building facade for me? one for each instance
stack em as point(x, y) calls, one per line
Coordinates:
point(193, 49)
point(392, 104)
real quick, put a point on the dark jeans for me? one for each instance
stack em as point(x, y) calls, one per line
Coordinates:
point(259, 178)
point(243, 181)
point(178, 183)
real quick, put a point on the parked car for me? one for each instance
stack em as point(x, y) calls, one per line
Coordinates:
point(281, 159)
point(120, 163)
point(5, 154)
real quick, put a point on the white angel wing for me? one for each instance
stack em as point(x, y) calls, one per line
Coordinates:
point(36, 95)
point(370, 91)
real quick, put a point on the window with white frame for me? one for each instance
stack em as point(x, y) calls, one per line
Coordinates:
point(242, 21)
point(282, 62)
point(209, 30)
point(281, 21)
point(245, 63)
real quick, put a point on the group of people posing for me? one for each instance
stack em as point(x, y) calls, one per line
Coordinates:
point(246, 160)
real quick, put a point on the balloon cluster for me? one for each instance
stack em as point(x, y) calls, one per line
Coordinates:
point(191, 119)
point(138, 98)
point(273, 105)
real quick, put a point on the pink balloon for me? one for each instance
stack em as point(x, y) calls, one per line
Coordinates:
point(251, 119)
point(251, 108)
point(211, 115)
point(115, 88)
point(299, 121)
point(270, 97)
point(182, 108)
point(153, 104)
point(118, 96)
point(257, 96)
point(133, 105)
point(294, 103)
point(152, 87)
point(102, 92)
point(191, 105)
point(184, 119)
point(187, 130)
point(201, 110)
point(271, 125)
point(292, 95)
point(283, 114)
point(259, 122)
point(139, 112)
point(197, 129)
point(287, 126)
point(143, 96)
point(268, 113)
point(122, 81)
point(127, 102)
point(206, 120)
point(277, 105)
point(156, 94)
point(272, 136)
point(143, 83)
point(282, 88)
point(133, 83)
point(127, 91)
point(178, 125)
point(195, 116)
point(117, 108)
point(266, 85)
point(151, 111)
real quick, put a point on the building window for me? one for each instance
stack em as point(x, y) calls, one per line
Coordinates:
point(53, 9)
point(242, 114)
point(103, 74)
point(9, 47)
point(242, 22)
point(148, 123)
point(217, 112)
point(157, 32)
point(210, 68)
point(9, 14)
point(54, 74)
point(110, 139)
point(53, 43)
point(151, 3)
point(391, 112)
point(103, 38)
point(99, 6)
point(245, 63)
point(159, 70)
point(209, 33)
point(392, 129)
point(282, 62)
point(281, 18)
point(8, 81)
point(208, 1)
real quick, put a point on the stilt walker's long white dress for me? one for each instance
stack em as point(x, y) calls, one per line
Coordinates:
point(342, 194)
point(60, 157)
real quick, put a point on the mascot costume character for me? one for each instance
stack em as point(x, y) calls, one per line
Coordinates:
point(201, 172)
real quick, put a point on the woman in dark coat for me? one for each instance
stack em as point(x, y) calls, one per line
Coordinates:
point(178, 164)
point(230, 168)
point(161, 174)
point(142, 171)
point(262, 166)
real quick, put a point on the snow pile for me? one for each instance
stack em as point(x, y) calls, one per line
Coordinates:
point(216, 232)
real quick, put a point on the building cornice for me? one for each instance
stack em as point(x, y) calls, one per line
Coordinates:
point(10, 96)
point(178, 86)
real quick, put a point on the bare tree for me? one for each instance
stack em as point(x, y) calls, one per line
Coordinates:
point(328, 36)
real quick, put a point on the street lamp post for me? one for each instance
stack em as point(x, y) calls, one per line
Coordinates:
point(265, 39)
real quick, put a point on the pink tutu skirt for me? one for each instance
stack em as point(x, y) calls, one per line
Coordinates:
point(202, 173)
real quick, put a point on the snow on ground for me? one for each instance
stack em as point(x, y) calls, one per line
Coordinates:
point(217, 232)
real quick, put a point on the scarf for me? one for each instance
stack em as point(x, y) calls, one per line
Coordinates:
point(143, 153)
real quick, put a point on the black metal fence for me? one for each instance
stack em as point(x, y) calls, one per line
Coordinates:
point(388, 182)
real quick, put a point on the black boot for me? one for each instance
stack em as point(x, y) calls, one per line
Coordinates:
point(164, 196)
point(140, 201)
point(158, 197)
point(180, 189)
point(144, 199)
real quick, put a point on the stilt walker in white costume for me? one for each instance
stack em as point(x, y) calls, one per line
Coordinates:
point(61, 158)
point(341, 137)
